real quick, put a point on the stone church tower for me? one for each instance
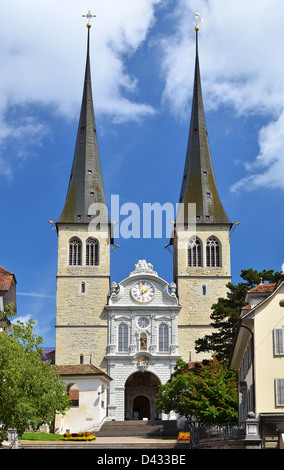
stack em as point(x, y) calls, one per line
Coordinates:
point(202, 243)
point(137, 329)
point(83, 277)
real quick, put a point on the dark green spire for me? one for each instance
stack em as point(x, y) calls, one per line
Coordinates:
point(86, 182)
point(199, 184)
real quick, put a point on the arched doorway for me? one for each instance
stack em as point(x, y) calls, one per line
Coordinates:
point(140, 396)
point(141, 407)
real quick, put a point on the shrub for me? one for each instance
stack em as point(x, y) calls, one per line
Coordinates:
point(79, 436)
point(184, 436)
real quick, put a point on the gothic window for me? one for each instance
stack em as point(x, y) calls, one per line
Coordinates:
point(75, 252)
point(163, 338)
point(92, 252)
point(213, 250)
point(123, 338)
point(194, 252)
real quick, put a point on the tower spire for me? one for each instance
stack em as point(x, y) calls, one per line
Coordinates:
point(199, 186)
point(86, 182)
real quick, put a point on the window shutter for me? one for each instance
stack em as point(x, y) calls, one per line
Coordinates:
point(279, 392)
point(278, 342)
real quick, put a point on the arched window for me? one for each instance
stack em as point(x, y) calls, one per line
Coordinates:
point(163, 338)
point(75, 252)
point(194, 257)
point(92, 252)
point(73, 393)
point(123, 338)
point(213, 258)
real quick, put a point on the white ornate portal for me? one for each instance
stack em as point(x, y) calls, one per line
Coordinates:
point(142, 337)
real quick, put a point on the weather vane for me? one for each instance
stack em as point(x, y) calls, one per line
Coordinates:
point(89, 16)
point(197, 17)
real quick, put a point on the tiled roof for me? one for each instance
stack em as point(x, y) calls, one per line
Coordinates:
point(6, 278)
point(80, 369)
point(263, 288)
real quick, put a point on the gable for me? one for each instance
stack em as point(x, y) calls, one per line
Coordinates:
point(163, 293)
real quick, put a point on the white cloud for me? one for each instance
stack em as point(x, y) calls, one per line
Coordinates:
point(267, 171)
point(36, 294)
point(240, 49)
point(22, 318)
point(43, 51)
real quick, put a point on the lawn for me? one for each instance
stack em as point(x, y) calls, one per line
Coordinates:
point(40, 436)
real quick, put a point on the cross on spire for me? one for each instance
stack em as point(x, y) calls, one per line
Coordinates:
point(197, 17)
point(89, 16)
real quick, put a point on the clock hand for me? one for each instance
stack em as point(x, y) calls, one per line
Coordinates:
point(142, 290)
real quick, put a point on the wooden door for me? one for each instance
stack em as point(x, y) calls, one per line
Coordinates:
point(141, 407)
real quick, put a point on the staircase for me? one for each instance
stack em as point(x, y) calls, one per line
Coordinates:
point(154, 435)
point(157, 428)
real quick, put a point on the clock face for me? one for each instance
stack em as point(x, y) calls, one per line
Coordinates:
point(143, 291)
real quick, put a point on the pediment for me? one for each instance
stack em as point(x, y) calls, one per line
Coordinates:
point(160, 292)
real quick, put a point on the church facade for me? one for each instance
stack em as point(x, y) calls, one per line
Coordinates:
point(135, 331)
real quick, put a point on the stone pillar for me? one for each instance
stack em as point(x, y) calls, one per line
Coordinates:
point(252, 439)
point(13, 438)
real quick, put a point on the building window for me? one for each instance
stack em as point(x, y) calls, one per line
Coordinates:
point(92, 252)
point(73, 393)
point(204, 290)
point(75, 252)
point(278, 342)
point(279, 392)
point(81, 359)
point(163, 338)
point(123, 338)
point(194, 252)
point(213, 252)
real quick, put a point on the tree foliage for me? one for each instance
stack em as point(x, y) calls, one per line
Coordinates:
point(31, 391)
point(204, 395)
point(226, 313)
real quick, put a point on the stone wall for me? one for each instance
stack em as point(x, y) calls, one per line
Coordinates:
point(198, 288)
point(82, 293)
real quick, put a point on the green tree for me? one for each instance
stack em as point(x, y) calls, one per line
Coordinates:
point(226, 313)
point(31, 392)
point(204, 395)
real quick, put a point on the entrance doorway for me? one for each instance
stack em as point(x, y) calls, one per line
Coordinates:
point(140, 396)
point(141, 407)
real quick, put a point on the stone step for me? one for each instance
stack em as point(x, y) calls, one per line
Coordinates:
point(138, 428)
point(136, 445)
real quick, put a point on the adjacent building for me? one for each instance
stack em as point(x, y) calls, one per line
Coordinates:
point(259, 357)
point(7, 289)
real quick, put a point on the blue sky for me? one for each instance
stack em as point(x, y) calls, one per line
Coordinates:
point(142, 62)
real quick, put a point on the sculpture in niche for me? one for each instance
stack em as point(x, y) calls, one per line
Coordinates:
point(143, 341)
